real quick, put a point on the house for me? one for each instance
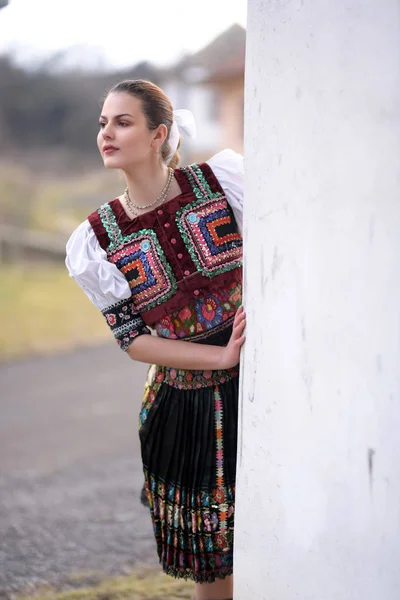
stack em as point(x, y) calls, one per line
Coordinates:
point(184, 85)
point(211, 84)
point(223, 63)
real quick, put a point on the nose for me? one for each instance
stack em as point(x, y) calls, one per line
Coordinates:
point(107, 132)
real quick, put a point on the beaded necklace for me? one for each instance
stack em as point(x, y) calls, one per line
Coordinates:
point(164, 193)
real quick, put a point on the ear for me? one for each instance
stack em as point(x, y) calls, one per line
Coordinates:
point(160, 135)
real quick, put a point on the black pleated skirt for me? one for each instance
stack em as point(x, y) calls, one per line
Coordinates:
point(188, 435)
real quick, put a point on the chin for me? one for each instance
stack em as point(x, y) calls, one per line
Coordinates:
point(111, 163)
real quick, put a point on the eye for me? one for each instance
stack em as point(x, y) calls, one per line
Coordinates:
point(123, 123)
point(102, 124)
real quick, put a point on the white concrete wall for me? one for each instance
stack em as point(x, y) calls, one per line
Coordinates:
point(318, 500)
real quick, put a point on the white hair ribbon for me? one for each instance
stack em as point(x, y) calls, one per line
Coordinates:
point(183, 123)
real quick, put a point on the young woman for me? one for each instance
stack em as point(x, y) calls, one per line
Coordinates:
point(165, 258)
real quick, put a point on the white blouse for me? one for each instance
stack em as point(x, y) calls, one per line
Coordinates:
point(101, 280)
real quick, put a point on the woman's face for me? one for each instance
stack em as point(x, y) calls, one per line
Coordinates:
point(124, 138)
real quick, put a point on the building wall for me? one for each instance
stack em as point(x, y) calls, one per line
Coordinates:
point(318, 494)
point(208, 139)
point(199, 98)
point(231, 107)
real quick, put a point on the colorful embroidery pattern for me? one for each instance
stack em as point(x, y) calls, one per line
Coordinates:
point(223, 507)
point(124, 322)
point(141, 259)
point(193, 528)
point(207, 314)
point(208, 228)
point(111, 226)
point(192, 380)
point(151, 388)
point(192, 540)
point(181, 379)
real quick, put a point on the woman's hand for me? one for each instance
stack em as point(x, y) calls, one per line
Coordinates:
point(230, 354)
point(178, 354)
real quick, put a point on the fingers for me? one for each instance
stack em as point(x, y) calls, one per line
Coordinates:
point(236, 344)
point(241, 341)
point(239, 324)
point(239, 316)
point(232, 351)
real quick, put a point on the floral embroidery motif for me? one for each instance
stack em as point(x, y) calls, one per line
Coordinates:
point(181, 379)
point(209, 312)
point(206, 314)
point(192, 540)
point(208, 228)
point(193, 528)
point(124, 322)
point(111, 319)
point(192, 380)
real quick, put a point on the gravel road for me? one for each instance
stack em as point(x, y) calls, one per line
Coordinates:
point(70, 469)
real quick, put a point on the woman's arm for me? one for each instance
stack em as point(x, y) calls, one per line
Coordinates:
point(184, 355)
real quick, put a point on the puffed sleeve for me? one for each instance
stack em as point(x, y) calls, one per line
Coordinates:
point(228, 167)
point(104, 285)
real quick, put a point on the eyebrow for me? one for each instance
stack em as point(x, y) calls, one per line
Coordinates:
point(118, 116)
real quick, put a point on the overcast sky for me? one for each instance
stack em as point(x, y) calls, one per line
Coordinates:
point(122, 31)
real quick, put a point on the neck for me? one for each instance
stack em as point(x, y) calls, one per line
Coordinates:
point(146, 182)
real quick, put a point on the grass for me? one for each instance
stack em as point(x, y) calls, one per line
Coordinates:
point(144, 584)
point(43, 310)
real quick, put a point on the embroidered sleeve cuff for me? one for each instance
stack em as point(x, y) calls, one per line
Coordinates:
point(124, 323)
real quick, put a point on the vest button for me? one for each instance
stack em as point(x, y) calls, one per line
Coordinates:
point(160, 212)
point(196, 292)
point(186, 273)
point(173, 241)
point(180, 255)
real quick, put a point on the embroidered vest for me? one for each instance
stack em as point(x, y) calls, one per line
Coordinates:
point(168, 255)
